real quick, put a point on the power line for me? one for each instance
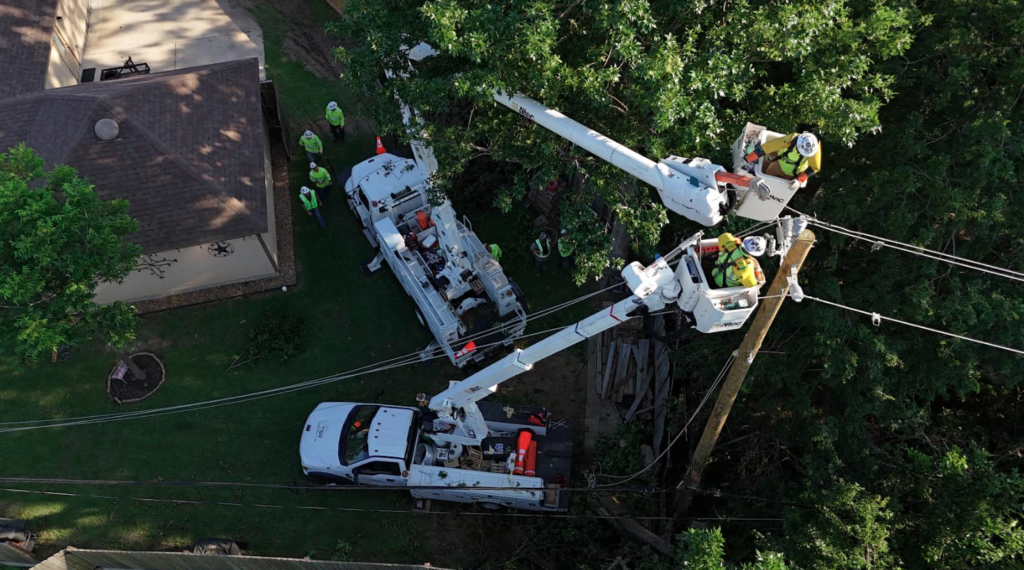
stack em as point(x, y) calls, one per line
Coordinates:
point(302, 486)
point(396, 362)
point(878, 242)
point(707, 396)
point(876, 318)
point(352, 509)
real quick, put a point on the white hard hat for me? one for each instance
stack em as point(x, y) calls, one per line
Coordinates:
point(807, 144)
point(308, 134)
point(332, 105)
point(755, 245)
point(543, 235)
point(304, 190)
point(564, 231)
point(312, 165)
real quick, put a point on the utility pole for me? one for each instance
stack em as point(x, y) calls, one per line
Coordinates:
point(777, 293)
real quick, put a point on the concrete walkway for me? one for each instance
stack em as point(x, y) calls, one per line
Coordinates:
point(170, 34)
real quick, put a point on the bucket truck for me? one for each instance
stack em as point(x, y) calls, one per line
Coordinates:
point(458, 288)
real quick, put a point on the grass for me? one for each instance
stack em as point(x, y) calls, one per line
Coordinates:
point(353, 320)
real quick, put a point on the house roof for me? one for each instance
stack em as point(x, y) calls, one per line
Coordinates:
point(189, 156)
point(25, 30)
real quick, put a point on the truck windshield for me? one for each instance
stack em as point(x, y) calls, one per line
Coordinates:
point(352, 446)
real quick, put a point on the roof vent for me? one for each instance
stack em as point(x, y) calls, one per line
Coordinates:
point(107, 129)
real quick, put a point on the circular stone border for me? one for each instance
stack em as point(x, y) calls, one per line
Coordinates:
point(163, 371)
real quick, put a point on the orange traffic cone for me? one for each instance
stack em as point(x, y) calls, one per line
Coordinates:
point(470, 347)
point(525, 437)
point(380, 147)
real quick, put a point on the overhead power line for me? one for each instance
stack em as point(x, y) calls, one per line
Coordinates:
point(879, 242)
point(877, 318)
point(357, 509)
point(400, 361)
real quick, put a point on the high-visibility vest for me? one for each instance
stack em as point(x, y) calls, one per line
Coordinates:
point(335, 117)
point(565, 247)
point(791, 162)
point(731, 252)
point(543, 249)
point(312, 145)
point(310, 201)
point(495, 252)
point(320, 176)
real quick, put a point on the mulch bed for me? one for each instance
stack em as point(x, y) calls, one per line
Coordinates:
point(129, 389)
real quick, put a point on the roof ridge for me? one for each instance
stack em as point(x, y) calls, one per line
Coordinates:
point(165, 77)
point(180, 162)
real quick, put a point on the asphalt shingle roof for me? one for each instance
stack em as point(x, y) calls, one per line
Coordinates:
point(189, 157)
point(25, 30)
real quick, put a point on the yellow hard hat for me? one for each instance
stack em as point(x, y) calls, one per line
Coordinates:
point(726, 239)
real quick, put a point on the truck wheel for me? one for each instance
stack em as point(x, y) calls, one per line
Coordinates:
point(419, 317)
point(488, 506)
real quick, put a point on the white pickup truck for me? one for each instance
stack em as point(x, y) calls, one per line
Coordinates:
point(374, 444)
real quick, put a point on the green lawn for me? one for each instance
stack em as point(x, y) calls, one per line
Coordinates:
point(352, 319)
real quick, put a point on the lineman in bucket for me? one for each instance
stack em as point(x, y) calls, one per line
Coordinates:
point(736, 266)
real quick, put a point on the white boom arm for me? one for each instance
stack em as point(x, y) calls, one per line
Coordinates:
point(697, 198)
point(655, 287)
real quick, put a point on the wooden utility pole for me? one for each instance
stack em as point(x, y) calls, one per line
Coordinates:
point(738, 371)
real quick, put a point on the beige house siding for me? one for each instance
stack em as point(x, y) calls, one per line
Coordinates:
point(188, 269)
point(270, 237)
point(67, 44)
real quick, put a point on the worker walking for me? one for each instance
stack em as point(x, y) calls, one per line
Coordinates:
point(336, 119)
point(309, 201)
point(320, 177)
point(796, 156)
point(312, 145)
point(494, 250)
point(541, 249)
point(566, 250)
point(734, 266)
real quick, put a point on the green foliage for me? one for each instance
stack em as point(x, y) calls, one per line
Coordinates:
point(662, 77)
point(58, 242)
point(704, 549)
point(342, 551)
point(279, 334)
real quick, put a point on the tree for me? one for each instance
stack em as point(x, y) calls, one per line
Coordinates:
point(663, 77)
point(58, 242)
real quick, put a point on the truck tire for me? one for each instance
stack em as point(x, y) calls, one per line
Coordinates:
point(489, 506)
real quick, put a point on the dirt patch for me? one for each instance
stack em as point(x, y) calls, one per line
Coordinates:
point(125, 388)
point(314, 49)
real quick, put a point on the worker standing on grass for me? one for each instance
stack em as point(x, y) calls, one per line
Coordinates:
point(319, 176)
point(309, 202)
point(541, 249)
point(336, 119)
point(494, 250)
point(312, 145)
point(734, 266)
point(796, 156)
point(566, 250)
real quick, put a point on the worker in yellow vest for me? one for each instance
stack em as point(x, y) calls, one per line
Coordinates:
point(309, 202)
point(494, 250)
point(336, 120)
point(566, 250)
point(319, 176)
point(735, 267)
point(796, 157)
point(312, 145)
point(541, 249)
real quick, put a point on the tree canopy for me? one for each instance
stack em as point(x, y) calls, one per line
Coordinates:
point(901, 448)
point(58, 242)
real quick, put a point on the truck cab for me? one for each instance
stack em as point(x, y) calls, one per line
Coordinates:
point(386, 186)
point(366, 444)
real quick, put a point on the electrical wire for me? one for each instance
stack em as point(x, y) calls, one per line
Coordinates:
point(353, 509)
point(915, 249)
point(707, 396)
point(878, 317)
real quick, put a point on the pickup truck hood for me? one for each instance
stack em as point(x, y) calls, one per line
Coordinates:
point(318, 447)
